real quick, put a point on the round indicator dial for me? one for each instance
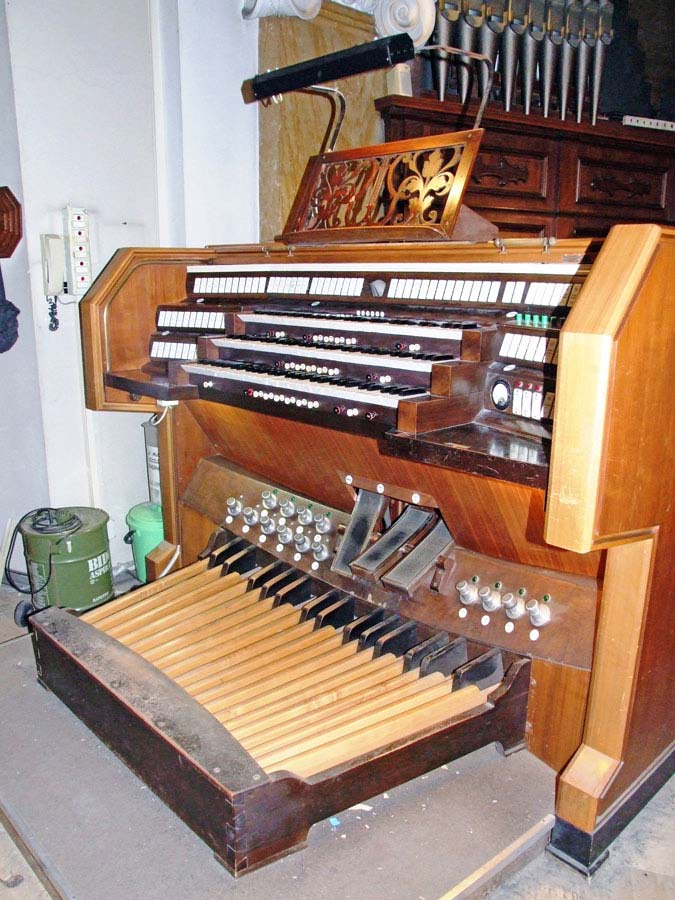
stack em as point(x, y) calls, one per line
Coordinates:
point(500, 394)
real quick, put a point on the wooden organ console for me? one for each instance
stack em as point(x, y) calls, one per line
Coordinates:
point(423, 495)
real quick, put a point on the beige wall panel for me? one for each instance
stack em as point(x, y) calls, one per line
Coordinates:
point(292, 131)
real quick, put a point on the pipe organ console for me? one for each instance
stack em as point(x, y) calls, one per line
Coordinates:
point(423, 495)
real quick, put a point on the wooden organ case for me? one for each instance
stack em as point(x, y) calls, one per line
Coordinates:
point(423, 495)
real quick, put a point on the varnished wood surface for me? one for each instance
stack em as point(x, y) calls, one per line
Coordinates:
point(537, 175)
point(493, 517)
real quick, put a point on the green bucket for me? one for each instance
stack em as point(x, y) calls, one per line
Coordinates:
point(146, 531)
point(67, 556)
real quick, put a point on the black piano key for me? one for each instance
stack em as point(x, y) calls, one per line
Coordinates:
point(313, 607)
point(397, 641)
point(295, 593)
point(484, 671)
point(355, 629)
point(260, 578)
point(415, 655)
point(371, 635)
point(446, 659)
point(338, 615)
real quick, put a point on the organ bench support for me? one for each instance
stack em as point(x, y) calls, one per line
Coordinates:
point(511, 409)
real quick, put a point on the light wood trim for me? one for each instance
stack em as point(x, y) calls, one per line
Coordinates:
point(586, 359)
point(284, 739)
point(168, 479)
point(148, 609)
point(373, 737)
point(221, 659)
point(309, 644)
point(619, 638)
point(143, 619)
point(132, 598)
point(306, 688)
point(214, 610)
point(584, 373)
point(209, 648)
point(380, 671)
point(278, 672)
point(356, 720)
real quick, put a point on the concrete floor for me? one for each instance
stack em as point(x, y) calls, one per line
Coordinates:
point(641, 865)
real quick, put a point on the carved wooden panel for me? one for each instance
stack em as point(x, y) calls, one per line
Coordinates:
point(10, 222)
point(640, 188)
point(408, 190)
point(516, 171)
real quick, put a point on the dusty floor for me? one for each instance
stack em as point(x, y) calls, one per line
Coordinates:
point(641, 865)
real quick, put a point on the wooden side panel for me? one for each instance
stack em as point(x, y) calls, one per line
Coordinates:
point(292, 131)
point(556, 712)
point(587, 363)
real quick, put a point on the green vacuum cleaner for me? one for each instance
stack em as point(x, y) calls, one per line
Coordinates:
point(67, 559)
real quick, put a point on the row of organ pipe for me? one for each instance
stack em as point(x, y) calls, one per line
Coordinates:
point(557, 46)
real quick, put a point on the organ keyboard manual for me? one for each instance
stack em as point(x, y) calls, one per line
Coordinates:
point(422, 491)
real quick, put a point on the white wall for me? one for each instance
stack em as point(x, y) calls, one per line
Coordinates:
point(23, 468)
point(218, 50)
point(132, 110)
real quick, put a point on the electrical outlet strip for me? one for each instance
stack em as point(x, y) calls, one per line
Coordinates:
point(78, 250)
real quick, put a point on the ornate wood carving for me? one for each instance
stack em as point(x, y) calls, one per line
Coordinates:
point(503, 172)
point(10, 222)
point(408, 190)
point(611, 185)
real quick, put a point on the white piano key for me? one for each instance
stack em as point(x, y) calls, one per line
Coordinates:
point(173, 319)
point(540, 350)
point(531, 347)
point(415, 288)
point(494, 291)
point(466, 291)
point(519, 346)
point(509, 288)
point(161, 318)
point(192, 319)
point(518, 291)
point(329, 353)
point(278, 383)
point(429, 331)
point(220, 320)
point(407, 288)
point(448, 289)
point(425, 289)
point(476, 288)
point(507, 344)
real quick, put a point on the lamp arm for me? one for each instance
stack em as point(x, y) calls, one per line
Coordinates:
point(479, 57)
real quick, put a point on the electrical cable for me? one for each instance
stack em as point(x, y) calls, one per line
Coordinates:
point(44, 521)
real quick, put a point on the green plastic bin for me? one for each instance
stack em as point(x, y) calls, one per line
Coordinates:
point(146, 531)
